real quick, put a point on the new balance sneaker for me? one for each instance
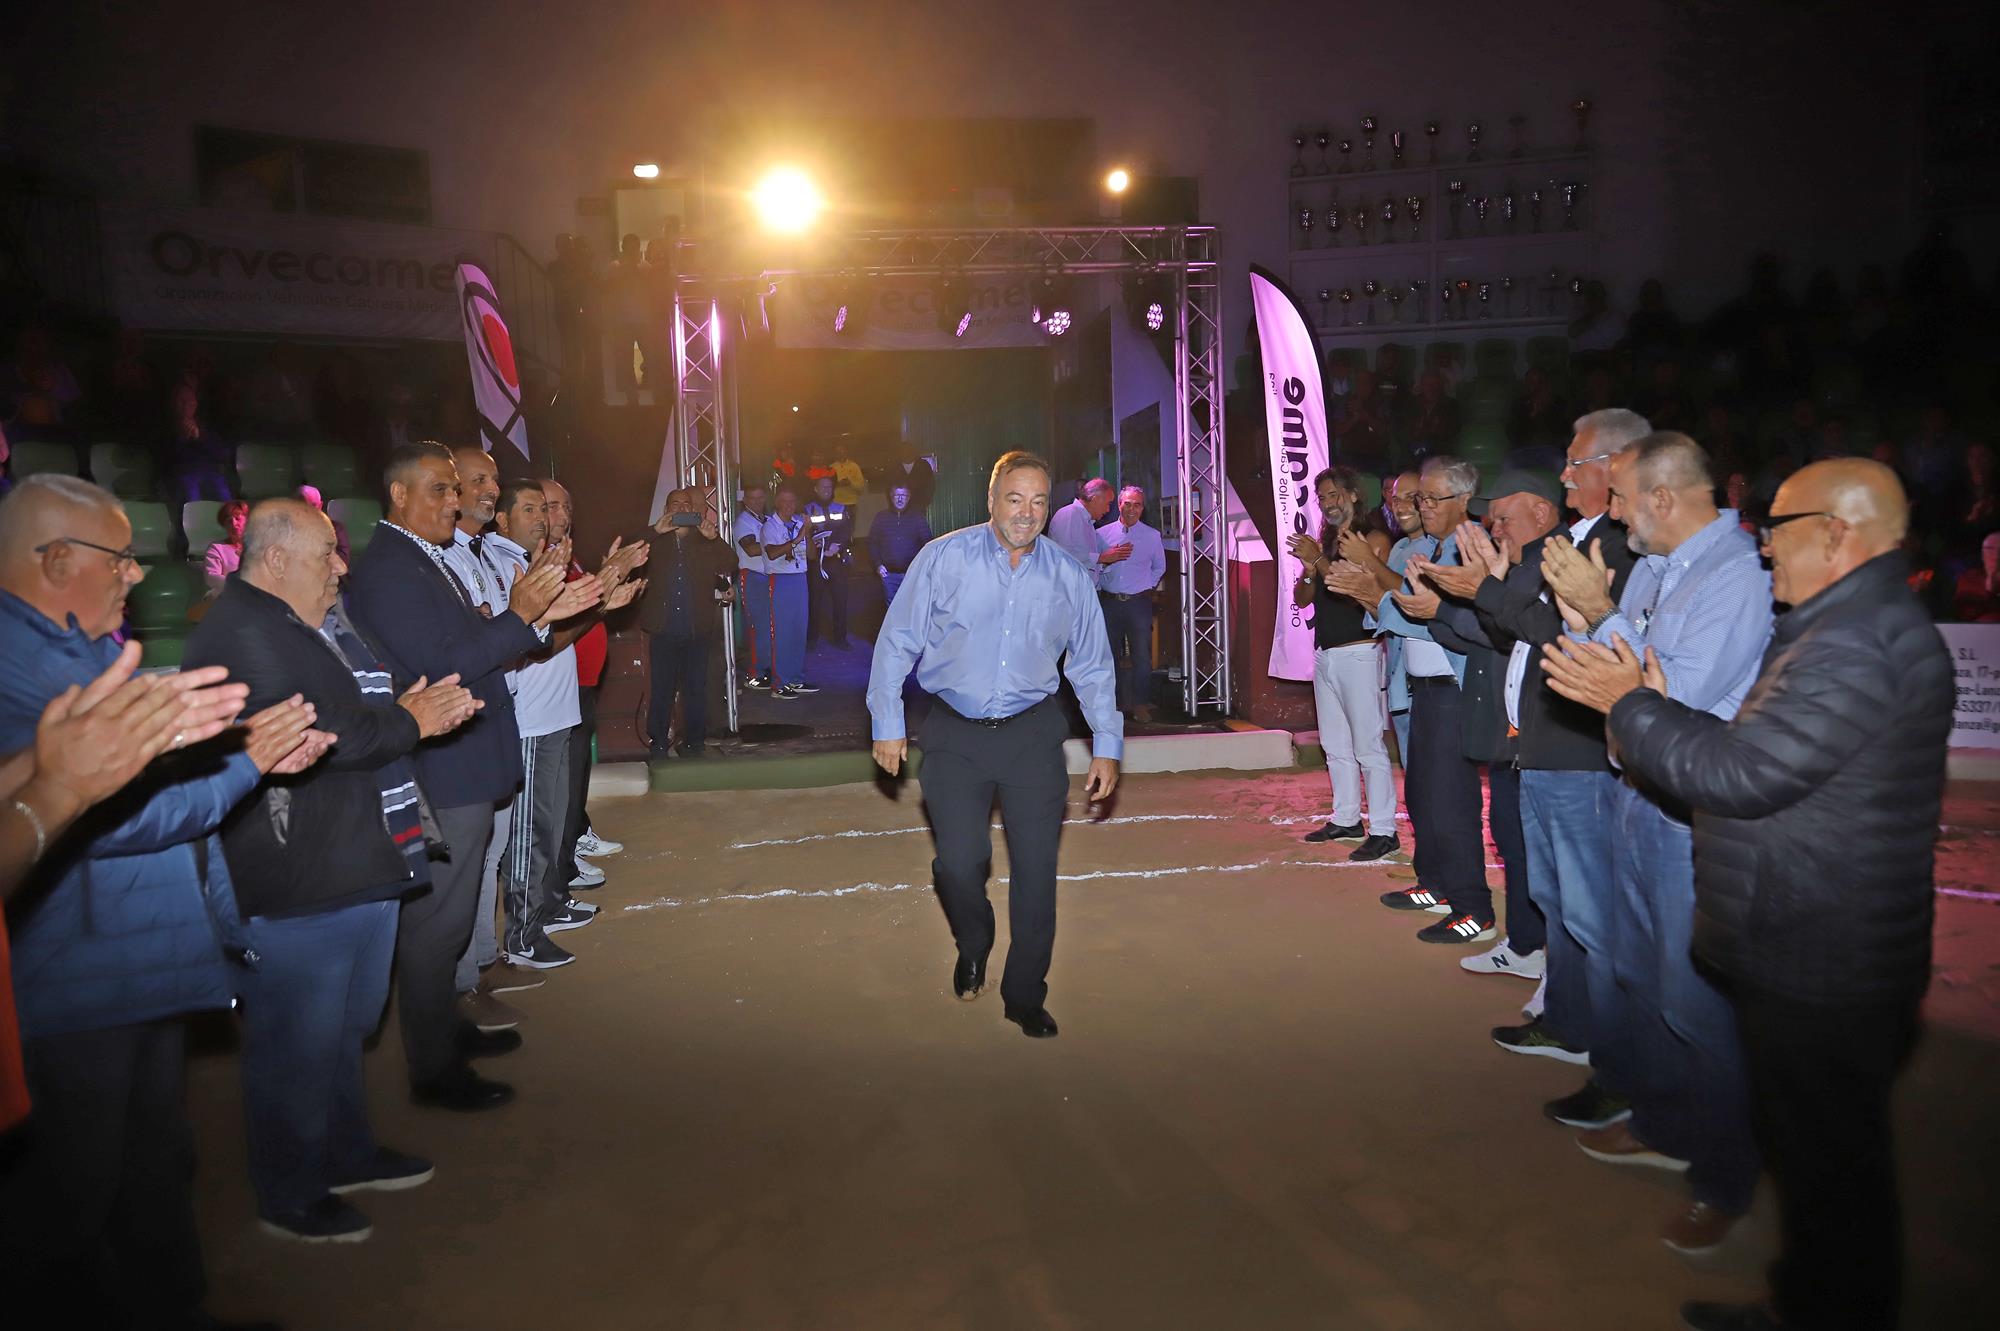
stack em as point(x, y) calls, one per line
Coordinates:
point(1502, 959)
point(785, 691)
point(1535, 1038)
point(563, 918)
point(1416, 898)
point(757, 682)
point(803, 687)
point(328, 1220)
point(581, 907)
point(590, 846)
point(389, 1171)
point(587, 874)
point(1375, 848)
point(537, 954)
point(1333, 831)
point(1590, 1107)
point(1458, 929)
point(1615, 1145)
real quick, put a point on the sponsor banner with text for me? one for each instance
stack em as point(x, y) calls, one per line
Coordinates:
point(1295, 418)
point(1975, 657)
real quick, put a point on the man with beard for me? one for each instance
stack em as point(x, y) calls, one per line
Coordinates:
point(986, 615)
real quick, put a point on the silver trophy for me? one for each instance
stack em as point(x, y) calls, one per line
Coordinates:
point(1371, 288)
point(1486, 300)
point(1368, 124)
point(1507, 297)
point(1324, 140)
point(1576, 294)
point(1325, 300)
point(1580, 108)
point(1361, 225)
point(1507, 211)
point(1298, 154)
point(1413, 204)
point(1571, 191)
point(1444, 296)
point(1535, 210)
point(1395, 297)
point(1346, 299)
point(1306, 228)
point(1431, 129)
point(1396, 147)
point(1479, 206)
point(1419, 310)
point(1333, 223)
point(1346, 147)
point(1472, 133)
point(1456, 189)
point(1464, 285)
point(1388, 219)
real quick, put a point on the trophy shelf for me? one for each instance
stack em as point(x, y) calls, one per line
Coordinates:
point(1507, 240)
point(1459, 165)
point(1383, 328)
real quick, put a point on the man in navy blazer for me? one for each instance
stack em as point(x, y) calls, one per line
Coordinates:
point(404, 597)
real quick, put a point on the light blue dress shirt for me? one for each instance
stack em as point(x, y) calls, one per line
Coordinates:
point(1705, 610)
point(986, 636)
point(1074, 530)
point(1139, 571)
point(1390, 618)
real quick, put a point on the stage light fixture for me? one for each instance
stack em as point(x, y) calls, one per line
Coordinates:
point(1156, 317)
point(954, 303)
point(1049, 302)
point(1118, 180)
point(850, 299)
point(787, 200)
point(647, 170)
point(1058, 323)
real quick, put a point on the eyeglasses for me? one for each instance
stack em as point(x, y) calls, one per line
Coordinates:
point(119, 558)
point(1584, 462)
point(1422, 500)
point(1777, 520)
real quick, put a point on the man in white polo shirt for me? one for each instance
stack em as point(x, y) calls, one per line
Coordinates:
point(754, 572)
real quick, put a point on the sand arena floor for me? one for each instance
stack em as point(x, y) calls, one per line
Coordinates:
point(753, 1103)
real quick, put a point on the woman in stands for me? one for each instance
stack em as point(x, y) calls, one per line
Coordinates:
point(223, 556)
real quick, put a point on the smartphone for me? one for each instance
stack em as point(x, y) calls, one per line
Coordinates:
point(685, 520)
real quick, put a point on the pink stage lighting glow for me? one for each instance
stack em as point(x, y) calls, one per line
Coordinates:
point(1156, 317)
point(964, 324)
point(1058, 323)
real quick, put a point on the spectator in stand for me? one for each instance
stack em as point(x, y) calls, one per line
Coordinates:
point(129, 925)
point(1666, 401)
point(131, 389)
point(281, 396)
point(848, 480)
point(1700, 603)
point(195, 461)
point(1392, 386)
point(324, 938)
point(784, 466)
point(1432, 424)
point(680, 614)
point(1362, 438)
point(899, 532)
point(1932, 464)
point(312, 496)
point(1722, 436)
point(39, 392)
point(1980, 500)
point(1339, 385)
point(222, 557)
point(1127, 588)
point(1977, 597)
point(407, 602)
point(1815, 819)
point(916, 472)
point(1540, 419)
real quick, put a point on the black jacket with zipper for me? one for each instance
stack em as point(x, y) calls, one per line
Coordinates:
point(319, 840)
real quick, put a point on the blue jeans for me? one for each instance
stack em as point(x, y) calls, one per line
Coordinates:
point(757, 622)
point(1692, 1098)
point(1566, 825)
point(1129, 626)
point(315, 994)
point(890, 582)
point(1526, 931)
point(788, 626)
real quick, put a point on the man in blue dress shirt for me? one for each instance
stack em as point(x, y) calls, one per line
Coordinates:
point(1125, 588)
point(985, 615)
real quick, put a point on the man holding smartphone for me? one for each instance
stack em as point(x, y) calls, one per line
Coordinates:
point(680, 615)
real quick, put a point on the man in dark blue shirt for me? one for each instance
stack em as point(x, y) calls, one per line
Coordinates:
point(894, 539)
point(678, 612)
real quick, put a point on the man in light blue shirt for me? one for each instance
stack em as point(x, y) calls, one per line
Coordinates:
point(1074, 526)
point(1125, 585)
point(1700, 602)
point(985, 615)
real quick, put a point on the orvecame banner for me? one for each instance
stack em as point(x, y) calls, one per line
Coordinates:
point(1295, 419)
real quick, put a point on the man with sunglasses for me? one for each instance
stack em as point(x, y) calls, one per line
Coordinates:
point(1816, 814)
point(1700, 601)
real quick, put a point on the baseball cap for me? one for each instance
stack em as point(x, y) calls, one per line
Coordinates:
point(1517, 480)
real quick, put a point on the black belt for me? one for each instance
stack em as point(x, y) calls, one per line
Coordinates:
point(990, 722)
point(1123, 596)
point(1432, 681)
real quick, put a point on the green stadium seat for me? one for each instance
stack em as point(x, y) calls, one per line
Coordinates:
point(36, 458)
point(126, 470)
point(1482, 443)
point(154, 531)
point(160, 603)
point(359, 516)
point(162, 651)
point(1485, 401)
point(1495, 357)
point(1548, 354)
point(200, 526)
point(264, 470)
point(334, 469)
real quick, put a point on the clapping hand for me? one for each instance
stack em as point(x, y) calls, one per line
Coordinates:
point(532, 592)
point(1456, 580)
point(623, 595)
point(91, 740)
point(1304, 549)
point(1598, 676)
point(1355, 549)
point(281, 739)
point(440, 707)
point(1354, 582)
point(1582, 584)
point(1477, 549)
point(575, 598)
point(1420, 601)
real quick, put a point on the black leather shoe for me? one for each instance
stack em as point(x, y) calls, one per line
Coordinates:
point(475, 1043)
point(462, 1090)
point(1035, 1023)
point(968, 978)
point(1335, 832)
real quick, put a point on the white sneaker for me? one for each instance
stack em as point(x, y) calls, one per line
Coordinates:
point(1504, 960)
point(1532, 1010)
point(590, 846)
point(587, 875)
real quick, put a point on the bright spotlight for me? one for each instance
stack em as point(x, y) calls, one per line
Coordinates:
point(787, 200)
point(647, 170)
point(1156, 317)
point(1058, 323)
point(1118, 181)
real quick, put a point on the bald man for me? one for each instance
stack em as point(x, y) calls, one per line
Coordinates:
point(1815, 812)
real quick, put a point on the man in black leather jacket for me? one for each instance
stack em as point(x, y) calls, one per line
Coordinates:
point(1815, 817)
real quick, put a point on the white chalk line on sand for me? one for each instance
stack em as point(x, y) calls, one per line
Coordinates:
point(1127, 820)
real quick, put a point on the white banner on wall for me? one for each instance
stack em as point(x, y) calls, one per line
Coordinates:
point(197, 269)
point(1295, 420)
point(1975, 658)
point(901, 314)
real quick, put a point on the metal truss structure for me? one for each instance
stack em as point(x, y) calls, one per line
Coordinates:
point(714, 281)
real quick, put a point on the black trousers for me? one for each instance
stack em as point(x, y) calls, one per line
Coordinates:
point(97, 1187)
point(1820, 1079)
point(431, 933)
point(1441, 788)
point(1527, 931)
point(965, 767)
point(580, 736)
point(680, 666)
point(826, 600)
